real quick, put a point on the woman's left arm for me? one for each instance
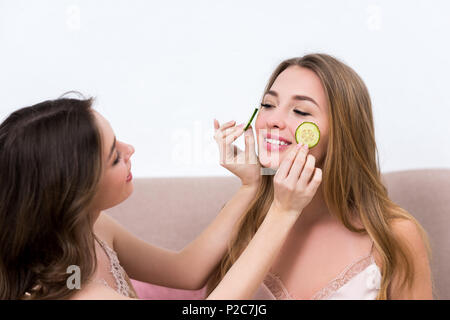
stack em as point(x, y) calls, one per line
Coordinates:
point(191, 267)
point(188, 268)
point(201, 256)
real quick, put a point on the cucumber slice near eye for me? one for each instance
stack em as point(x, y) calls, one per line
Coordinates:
point(307, 133)
point(251, 119)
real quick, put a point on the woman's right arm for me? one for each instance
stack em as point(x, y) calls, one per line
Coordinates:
point(292, 192)
point(246, 274)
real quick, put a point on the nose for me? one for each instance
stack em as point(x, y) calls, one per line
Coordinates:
point(130, 151)
point(276, 120)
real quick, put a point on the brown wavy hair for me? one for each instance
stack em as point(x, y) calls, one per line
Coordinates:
point(50, 166)
point(351, 176)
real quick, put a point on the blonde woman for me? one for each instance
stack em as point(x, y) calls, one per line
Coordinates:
point(351, 241)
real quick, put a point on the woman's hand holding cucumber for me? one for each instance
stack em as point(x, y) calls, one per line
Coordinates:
point(295, 182)
point(244, 164)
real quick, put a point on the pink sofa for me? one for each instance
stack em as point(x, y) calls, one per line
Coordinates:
point(171, 212)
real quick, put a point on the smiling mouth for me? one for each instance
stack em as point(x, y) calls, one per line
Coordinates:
point(276, 142)
point(129, 177)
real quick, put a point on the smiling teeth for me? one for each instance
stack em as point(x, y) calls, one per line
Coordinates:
point(272, 141)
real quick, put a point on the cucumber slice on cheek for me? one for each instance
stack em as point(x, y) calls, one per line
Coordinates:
point(307, 133)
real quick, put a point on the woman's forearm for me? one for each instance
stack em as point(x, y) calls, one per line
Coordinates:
point(247, 273)
point(199, 258)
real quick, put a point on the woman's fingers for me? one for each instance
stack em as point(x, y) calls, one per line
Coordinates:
point(286, 164)
point(307, 172)
point(250, 153)
point(227, 125)
point(233, 134)
point(216, 124)
point(220, 131)
point(315, 181)
point(297, 165)
point(227, 133)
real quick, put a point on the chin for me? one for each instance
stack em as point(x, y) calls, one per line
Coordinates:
point(268, 162)
point(269, 159)
point(129, 190)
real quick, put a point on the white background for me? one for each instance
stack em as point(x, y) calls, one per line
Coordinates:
point(163, 70)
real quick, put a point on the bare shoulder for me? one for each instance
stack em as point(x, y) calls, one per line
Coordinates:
point(411, 234)
point(408, 230)
point(96, 291)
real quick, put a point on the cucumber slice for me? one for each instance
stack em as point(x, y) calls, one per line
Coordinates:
point(251, 119)
point(307, 133)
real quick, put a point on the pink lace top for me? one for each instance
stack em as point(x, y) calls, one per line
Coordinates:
point(359, 281)
point(123, 283)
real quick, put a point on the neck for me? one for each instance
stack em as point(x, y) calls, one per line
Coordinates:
point(95, 215)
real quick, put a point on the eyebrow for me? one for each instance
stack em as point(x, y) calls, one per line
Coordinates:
point(112, 148)
point(295, 97)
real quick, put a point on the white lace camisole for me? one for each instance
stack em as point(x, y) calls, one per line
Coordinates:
point(123, 283)
point(358, 281)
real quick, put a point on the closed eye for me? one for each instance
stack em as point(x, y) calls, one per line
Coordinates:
point(267, 106)
point(117, 158)
point(301, 113)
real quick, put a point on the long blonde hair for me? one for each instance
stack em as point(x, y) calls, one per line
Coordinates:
point(351, 176)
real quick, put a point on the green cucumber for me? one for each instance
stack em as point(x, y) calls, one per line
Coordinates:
point(251, 119)
point(307, 133)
